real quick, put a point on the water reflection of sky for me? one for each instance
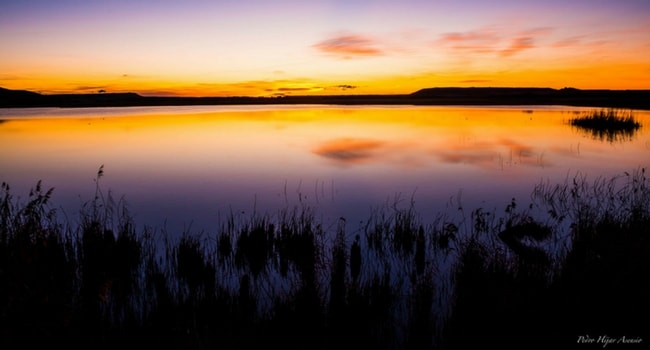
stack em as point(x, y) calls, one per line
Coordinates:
point(189, 166)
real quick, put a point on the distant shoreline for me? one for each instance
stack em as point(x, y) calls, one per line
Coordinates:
point(473, 96)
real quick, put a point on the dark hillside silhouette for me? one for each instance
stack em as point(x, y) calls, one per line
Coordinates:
point(637, 99)
point(9, 98)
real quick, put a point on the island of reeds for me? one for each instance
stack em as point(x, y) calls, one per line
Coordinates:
point(568, 270)
point(607, 124)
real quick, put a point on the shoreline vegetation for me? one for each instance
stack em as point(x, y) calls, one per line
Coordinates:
point(632, 99)
point(567, 278)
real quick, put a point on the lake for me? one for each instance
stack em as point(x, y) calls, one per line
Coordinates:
point(182, 169)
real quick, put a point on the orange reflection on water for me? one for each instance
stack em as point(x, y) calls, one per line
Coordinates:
point(341, 135)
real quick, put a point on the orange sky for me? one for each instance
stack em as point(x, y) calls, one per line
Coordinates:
point(290, 47)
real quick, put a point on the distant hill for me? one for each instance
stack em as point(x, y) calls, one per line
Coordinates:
point(17, 97)
point(534, 96)
point(638, 99)
point(484, 92)
point(22, 98)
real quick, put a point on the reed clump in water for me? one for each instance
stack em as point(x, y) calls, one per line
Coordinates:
point(277, 280)
point(607, 124)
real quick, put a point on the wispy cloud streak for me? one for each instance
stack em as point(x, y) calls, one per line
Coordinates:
point(490, 41)
point(349, 46)
point(475, 41)
point(517, 45)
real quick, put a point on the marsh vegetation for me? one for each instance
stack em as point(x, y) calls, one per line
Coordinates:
point(607, 124)
point(573, 261)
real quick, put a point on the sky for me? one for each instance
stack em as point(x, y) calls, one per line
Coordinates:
point(297, 47)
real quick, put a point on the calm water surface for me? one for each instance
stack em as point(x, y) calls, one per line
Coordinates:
point(188, 168)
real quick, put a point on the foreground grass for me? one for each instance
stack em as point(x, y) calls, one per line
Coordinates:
point(503, 279)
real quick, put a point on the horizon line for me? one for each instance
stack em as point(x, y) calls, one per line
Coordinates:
point(171, 95)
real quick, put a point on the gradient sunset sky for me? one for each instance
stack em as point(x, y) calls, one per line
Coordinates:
point(265, 48)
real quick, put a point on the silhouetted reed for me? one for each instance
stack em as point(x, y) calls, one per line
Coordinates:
point(607, 124)
point(573, 262)
point(37, 270)
point(590, 281)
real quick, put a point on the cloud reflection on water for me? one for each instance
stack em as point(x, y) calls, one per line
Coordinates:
point(348, 151)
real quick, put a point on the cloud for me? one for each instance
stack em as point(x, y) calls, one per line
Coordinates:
point(294, 89)
point(287, 90)
point(10, 77)
point(476, 81)
point(489, 41)
point(568, 42)
point(349, 46)
point(581, 42)
point(517, 45)
point(477, 41)
point(525, 40)
point(91, 88)
point(278, 87)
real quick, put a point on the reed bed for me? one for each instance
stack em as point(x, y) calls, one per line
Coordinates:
point(511, 278)
point(612, 125)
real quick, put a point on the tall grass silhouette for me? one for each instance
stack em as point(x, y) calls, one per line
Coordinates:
point(610, 125)
point(573, 262)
